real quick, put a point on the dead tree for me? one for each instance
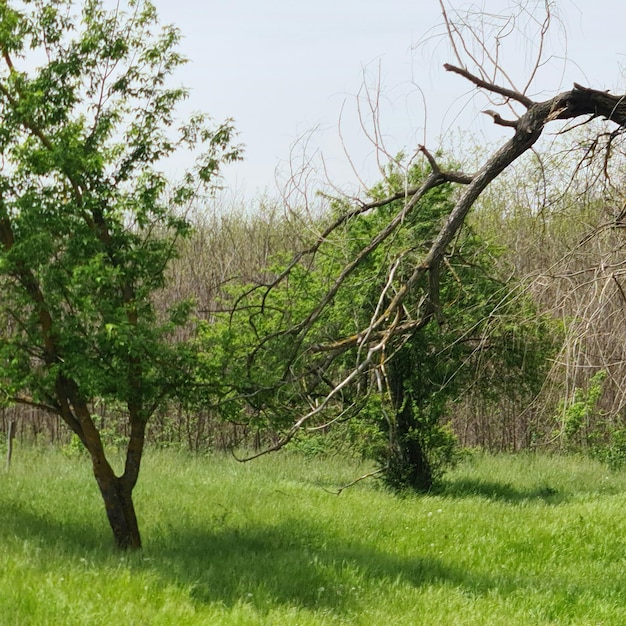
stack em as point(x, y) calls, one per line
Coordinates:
point(393, 320)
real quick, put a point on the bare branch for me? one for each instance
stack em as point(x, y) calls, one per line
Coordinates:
point(376, 472)
point(450, 28)
point(318, 409)
point(498, 119)
point(491, 87)
point(545, 26)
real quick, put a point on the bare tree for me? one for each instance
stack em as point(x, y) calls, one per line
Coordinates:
point(410, 300)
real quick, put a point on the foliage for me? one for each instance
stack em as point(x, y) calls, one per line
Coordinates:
point(613, 453)
point(577, 413)
point(89, 212)
point(586, 427)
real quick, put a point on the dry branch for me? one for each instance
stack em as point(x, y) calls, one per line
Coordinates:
point(392, 319)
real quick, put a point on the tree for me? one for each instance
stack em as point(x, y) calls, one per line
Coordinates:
point(88, 221)
point(486, 337)
point(407, 301)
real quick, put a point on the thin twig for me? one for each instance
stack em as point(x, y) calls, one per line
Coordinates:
point(380, 470)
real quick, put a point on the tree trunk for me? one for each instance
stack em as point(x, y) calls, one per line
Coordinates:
point(118, 502)
point(407, 463)
point(117, 492)
point(418, 472)
point(10, 436)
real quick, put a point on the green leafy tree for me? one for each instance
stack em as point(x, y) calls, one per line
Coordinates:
point(475, 333)
point(88, 221)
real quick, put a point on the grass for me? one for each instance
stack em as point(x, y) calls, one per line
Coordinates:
point(507, 540)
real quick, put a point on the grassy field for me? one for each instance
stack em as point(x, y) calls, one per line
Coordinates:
point(508, 540)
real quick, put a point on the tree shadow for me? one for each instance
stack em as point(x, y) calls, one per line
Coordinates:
point(294, 563)
point(71, 537)
point(499, 491)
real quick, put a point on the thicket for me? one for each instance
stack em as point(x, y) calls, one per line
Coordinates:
point(528, 355)
point(559, 219)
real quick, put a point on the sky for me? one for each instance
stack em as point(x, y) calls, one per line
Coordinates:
point(294, 76)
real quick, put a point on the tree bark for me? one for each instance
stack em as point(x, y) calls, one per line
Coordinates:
point(117, 492)
point(120, 509)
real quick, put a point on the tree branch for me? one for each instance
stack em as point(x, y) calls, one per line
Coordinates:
point(483, 84)
point(498, 119)
point(375, 472)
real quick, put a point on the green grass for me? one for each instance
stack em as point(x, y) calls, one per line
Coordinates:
point(508, 540)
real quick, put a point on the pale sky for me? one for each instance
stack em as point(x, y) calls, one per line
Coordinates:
point(290, 69)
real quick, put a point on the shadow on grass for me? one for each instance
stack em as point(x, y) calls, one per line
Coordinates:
point(498, 491)
point(291, 565)
point(71, 537)
point(295, 563)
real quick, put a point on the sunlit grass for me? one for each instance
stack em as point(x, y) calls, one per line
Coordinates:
point(508, 540)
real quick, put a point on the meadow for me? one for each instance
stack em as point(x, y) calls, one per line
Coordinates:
point(528, 539)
